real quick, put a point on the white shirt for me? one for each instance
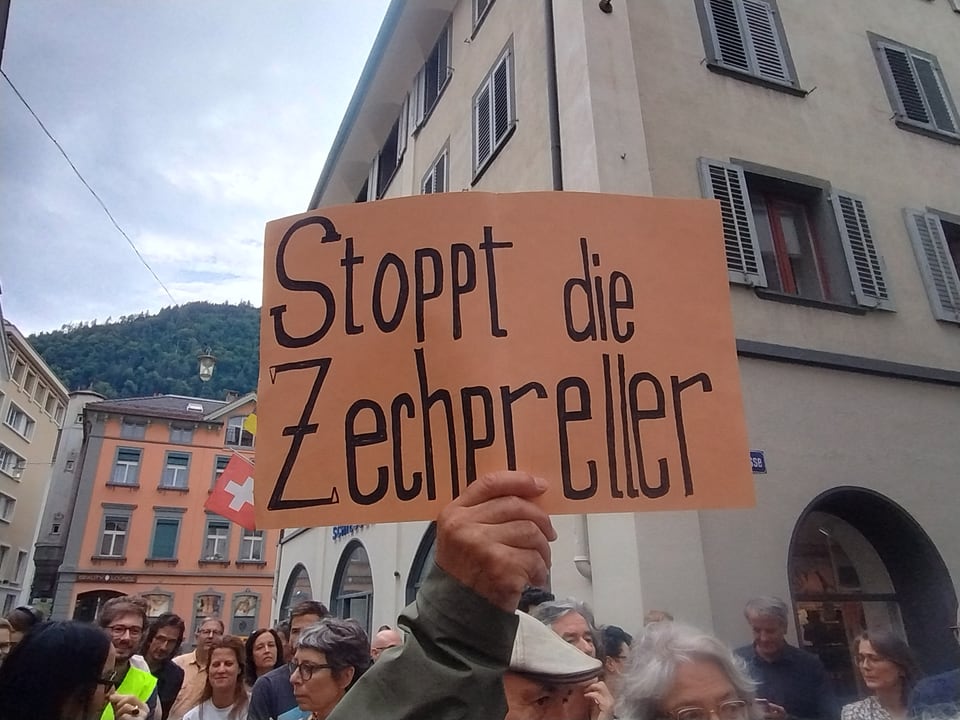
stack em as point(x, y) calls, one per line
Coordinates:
point(208, 711)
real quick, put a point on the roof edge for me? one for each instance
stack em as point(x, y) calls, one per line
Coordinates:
point(384, 35)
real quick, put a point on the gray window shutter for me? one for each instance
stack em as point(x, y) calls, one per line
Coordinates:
point(729, 46)
point(725, 182)
point(764, 41)
point(483, 121)
point(501, 99)
point(908, 90)
point(443, 58)
point(439, 174)
point(402, 128)
point(866, 266)
point(936, 266)
point(927, 76)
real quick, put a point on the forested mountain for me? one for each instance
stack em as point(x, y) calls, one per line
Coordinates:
point(147, 354)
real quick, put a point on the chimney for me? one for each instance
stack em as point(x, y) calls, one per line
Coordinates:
point(231, 395)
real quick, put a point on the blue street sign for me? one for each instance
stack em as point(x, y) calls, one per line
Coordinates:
point(758, 463)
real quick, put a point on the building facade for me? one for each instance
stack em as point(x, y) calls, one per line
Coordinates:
point(829, 136)
point(138, 523)
point(58, 509)
point(33, 402)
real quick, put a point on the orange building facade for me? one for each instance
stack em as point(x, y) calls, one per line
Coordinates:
point(139, 526)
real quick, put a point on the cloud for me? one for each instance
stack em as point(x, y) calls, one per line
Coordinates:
point(195, 122)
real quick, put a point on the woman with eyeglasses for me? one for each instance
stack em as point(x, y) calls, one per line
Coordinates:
point(224, 694)
point(330, 657)
point(675, 671)
point(61, 671)
point(888, 671)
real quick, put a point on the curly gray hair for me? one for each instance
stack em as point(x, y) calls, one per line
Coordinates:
point(344, 643)
point(651, 669)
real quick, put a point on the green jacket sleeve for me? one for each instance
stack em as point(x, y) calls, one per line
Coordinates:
point(450, 666)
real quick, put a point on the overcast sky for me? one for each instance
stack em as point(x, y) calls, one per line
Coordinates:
point(196, 121)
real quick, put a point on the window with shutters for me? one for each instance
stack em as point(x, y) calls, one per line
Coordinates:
point(745, 38)
point(430, 81)
point(917, 89)
point(494, 112)
point(796, 237)
point(936, 243)
point(166, 533)
point(435, 181)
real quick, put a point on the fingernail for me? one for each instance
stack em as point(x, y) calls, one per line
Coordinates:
point(540, 483)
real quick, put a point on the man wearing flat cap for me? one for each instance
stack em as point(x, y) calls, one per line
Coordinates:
point(469, 655)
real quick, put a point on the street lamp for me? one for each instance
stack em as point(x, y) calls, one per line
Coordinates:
point(207, 364)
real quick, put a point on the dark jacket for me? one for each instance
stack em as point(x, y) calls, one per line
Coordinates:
point(796, 680)
point(937, 693)
point(169, 679)
point(272, 697)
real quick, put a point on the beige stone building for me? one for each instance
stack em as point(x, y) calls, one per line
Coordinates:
point(828, 133)
point(32, 406)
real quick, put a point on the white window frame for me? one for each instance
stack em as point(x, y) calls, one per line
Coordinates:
point(236, 424)
point(10, 461)
point(487, 89)
point(429, 184)
point(8, 506)
point(213, 554)
point(115, 535)
point(172, 471)
point(128, 465)
point(480, 10)
point(20, 421)
point(253, 542)
point(20, 569)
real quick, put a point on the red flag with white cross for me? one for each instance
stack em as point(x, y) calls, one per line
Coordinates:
point(232, 495)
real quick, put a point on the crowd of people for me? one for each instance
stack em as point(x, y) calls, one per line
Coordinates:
point(482, 641)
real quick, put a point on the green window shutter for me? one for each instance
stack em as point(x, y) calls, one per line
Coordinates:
point(866, 266)
point(764, 41)
point(726, 182)
point(165, 540)
point(936, 266)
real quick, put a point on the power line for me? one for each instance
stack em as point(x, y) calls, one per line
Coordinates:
point(87, 186)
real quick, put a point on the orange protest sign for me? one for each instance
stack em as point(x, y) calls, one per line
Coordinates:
point(410, 345)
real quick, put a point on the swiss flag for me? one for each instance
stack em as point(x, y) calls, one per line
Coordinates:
point(232, 496)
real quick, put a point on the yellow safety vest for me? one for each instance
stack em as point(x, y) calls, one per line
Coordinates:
point(136, 682)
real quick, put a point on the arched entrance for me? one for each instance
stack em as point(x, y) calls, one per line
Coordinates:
point(297, 590)
point(859, 560)
point(89, 603)
point(352, 595)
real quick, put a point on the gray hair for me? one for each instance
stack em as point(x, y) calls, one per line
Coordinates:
point(768, 606)
point(549, 612)
point(344, 644)
point(655, 656)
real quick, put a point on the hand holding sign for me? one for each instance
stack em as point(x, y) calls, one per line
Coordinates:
point(410, 345)
point(494, 540)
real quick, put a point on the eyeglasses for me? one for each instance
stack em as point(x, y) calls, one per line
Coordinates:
point(307, 670)
point(121, 630)
point(209, 633)
point(729, 710)
point(109, 681)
